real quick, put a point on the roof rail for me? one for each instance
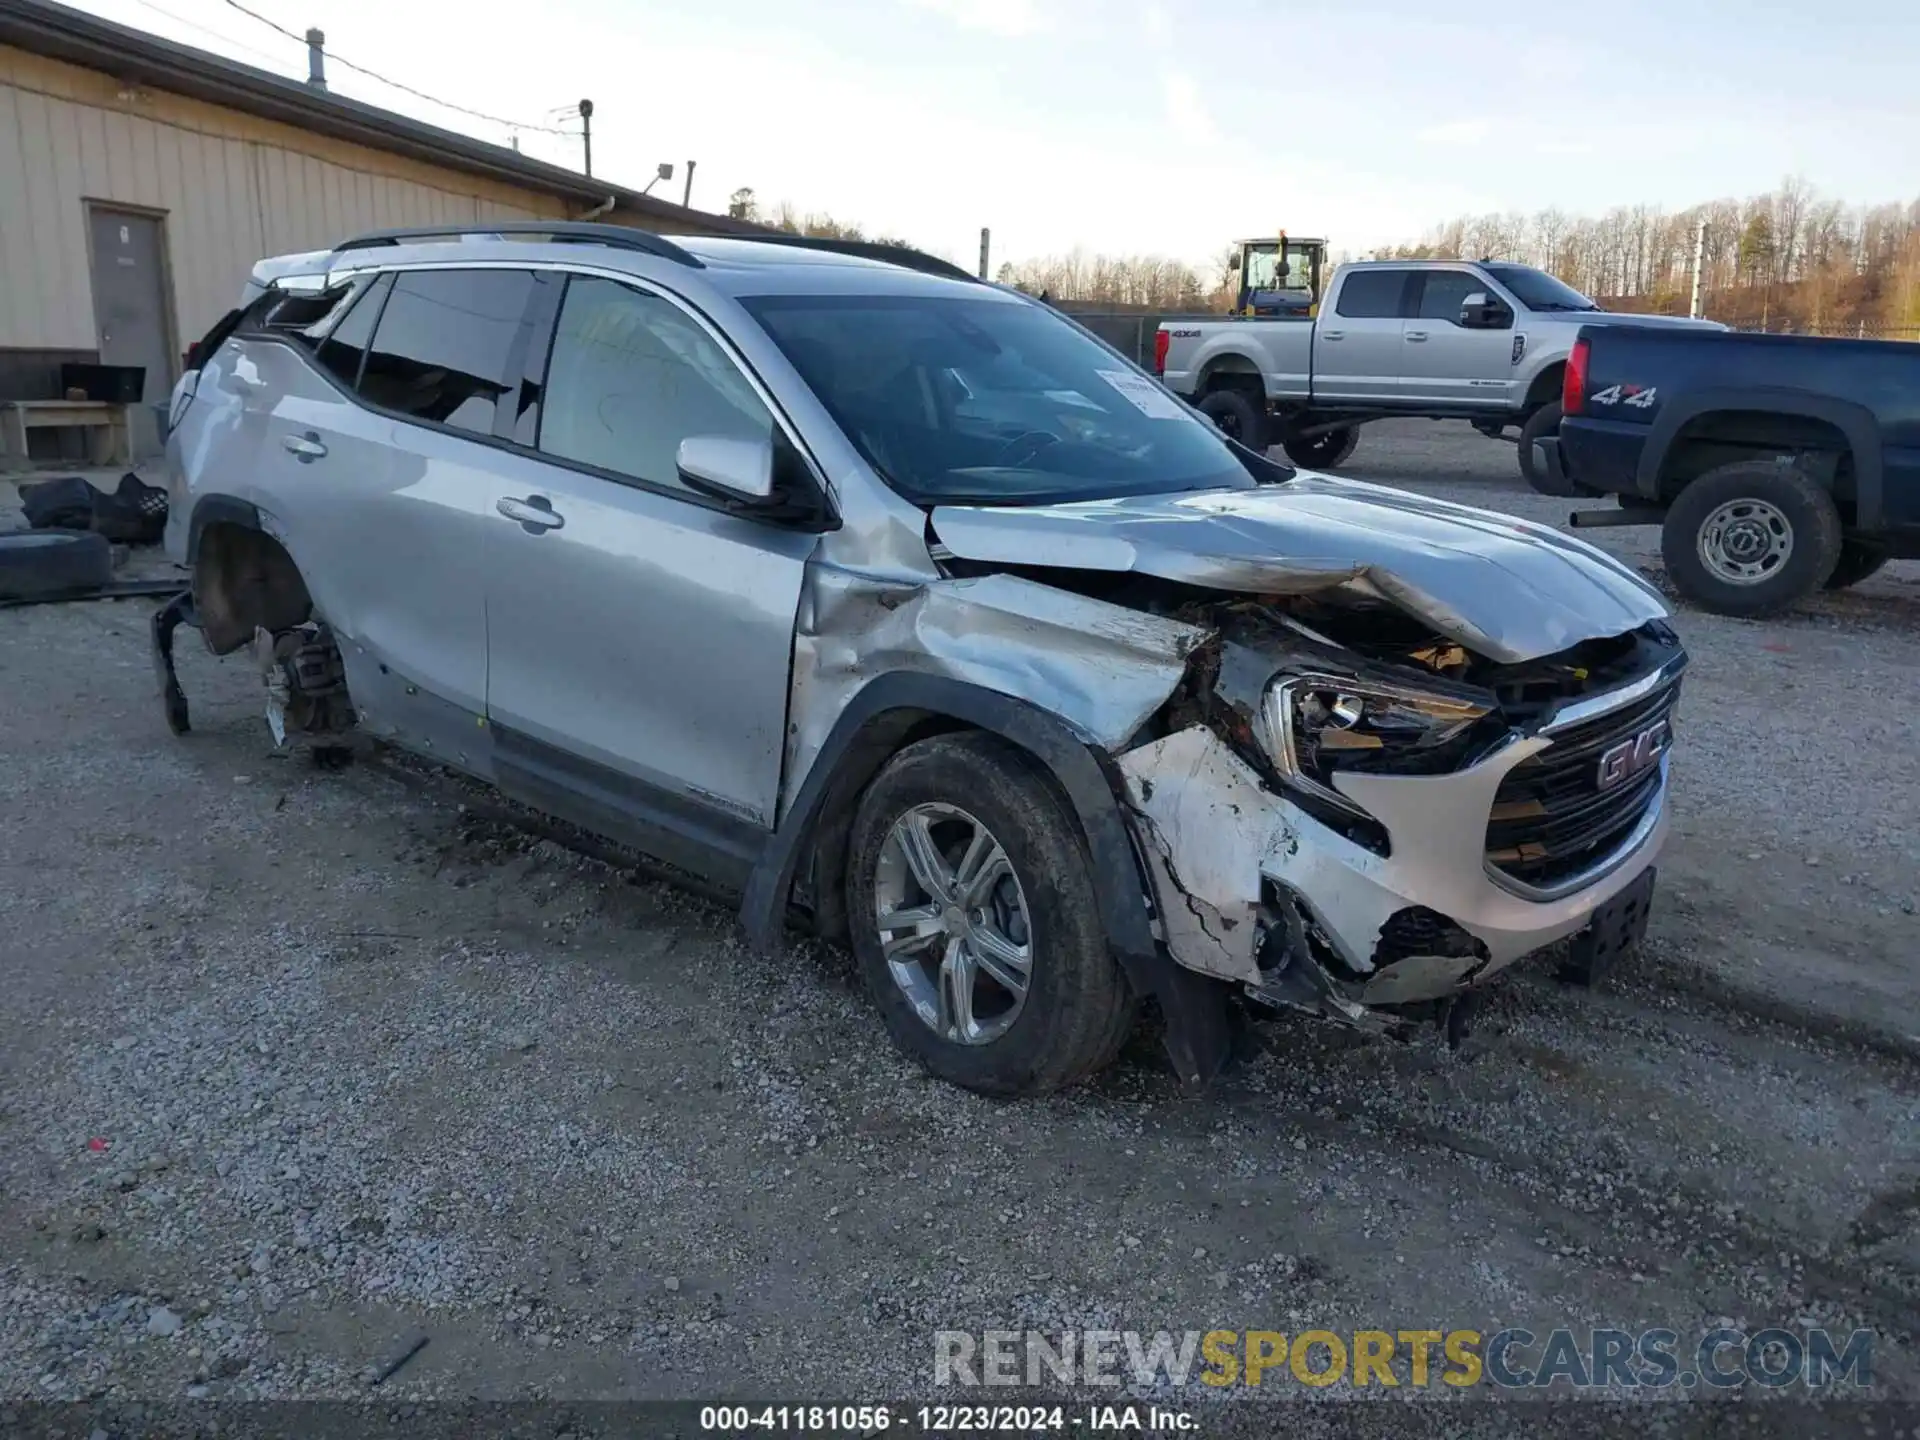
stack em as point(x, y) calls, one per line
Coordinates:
point(904, 256)
point(560, 232)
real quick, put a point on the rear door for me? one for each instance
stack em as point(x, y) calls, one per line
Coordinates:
point(1444, 362)
point(641, 641)
point(1357, 347)
point(382, 469)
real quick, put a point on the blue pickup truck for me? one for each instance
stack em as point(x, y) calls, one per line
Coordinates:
point(1774, 464)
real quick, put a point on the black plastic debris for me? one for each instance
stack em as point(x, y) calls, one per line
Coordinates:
point(133, 514)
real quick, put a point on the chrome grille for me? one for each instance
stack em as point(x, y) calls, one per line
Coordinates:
point(1553, 816)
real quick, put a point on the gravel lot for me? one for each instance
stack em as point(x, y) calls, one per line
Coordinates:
point(296, 1065)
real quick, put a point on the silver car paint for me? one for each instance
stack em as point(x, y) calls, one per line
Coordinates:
point(1440, 561)
point(868, 599)
point(1102, 668)
point(1336, 357)
point(1212, 830)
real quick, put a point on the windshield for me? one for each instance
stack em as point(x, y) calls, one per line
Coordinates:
point(1264, 271)
point(1538, 290)
point(992, 402)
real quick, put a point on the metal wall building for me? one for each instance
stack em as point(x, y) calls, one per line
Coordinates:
point(140, 180)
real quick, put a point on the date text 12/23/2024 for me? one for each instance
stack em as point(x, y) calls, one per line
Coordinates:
point(876, 1420)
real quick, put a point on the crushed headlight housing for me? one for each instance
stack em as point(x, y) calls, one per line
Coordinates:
point(1315, 726)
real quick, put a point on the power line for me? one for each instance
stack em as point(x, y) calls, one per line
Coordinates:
point(339, 59)
point(194, 25)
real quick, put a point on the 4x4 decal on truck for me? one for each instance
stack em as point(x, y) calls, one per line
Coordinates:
point(1632, 395)
point(1519, 348)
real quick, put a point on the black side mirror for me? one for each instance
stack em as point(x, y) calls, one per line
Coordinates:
point(1482, 311)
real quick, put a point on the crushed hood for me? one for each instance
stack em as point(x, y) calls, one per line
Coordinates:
point(1509, 589)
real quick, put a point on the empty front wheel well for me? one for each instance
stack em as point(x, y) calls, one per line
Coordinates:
point(243, 580)
point(1723, 437)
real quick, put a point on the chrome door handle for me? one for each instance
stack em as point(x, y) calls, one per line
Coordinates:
point(535, 513)
point(305, 447)
point(1333, 334)
point(1416, 335)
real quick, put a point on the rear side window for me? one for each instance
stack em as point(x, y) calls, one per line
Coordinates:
point(346, 343)
point(448, 345)
point(1372, 294)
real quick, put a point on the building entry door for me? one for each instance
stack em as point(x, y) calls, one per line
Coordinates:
point(130, 295)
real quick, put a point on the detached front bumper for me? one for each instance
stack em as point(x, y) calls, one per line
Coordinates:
point(1252, 889)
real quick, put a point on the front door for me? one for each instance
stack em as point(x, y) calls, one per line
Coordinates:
point(130, 312)
point(639, 638)
point(1446, 363)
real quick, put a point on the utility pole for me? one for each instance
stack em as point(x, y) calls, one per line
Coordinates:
point(1699, 262)
point(586, 132)
point(986, 242)
point(686, 195)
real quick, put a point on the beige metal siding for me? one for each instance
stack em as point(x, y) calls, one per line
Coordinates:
point(232, 187)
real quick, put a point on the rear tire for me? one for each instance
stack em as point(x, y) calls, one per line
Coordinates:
point(1075, 1010)
point(1858, 560)
point(1751, 538)
point(1322, 451)
point(1238, 416)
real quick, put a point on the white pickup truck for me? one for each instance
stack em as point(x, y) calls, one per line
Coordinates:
point(1483, 341)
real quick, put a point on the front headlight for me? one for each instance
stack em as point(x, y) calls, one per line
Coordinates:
point(1316, 725)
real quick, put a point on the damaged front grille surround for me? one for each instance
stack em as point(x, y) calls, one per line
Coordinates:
point(1312, 711)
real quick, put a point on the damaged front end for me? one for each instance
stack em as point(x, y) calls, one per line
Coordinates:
point(1363, 829)
point(1417, 743)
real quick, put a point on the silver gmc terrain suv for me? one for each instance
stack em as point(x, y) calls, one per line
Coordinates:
point(903, 607)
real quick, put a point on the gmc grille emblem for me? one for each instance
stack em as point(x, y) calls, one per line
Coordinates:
point(1633, 756)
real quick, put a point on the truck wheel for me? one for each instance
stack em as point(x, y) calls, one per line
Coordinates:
point(1751, 538)
point(971, 904)
point(1238, 416)
point(1857, 561)
point(1322, 451)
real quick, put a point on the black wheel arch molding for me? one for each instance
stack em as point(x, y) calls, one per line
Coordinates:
point(1855, 422)
point(1199, 1029)
point(216, 509)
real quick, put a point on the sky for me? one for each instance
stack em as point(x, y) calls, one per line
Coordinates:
point(1146, 126)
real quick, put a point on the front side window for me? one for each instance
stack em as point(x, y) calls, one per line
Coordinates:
point(1445, 291)
point(632, 375)
point(445, 348)
point(958, 399)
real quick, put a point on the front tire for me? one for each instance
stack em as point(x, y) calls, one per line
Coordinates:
point(1751, 538)
point(1322, 451)
point(1239, 416)
point(973, 916)
point(1858, 560)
